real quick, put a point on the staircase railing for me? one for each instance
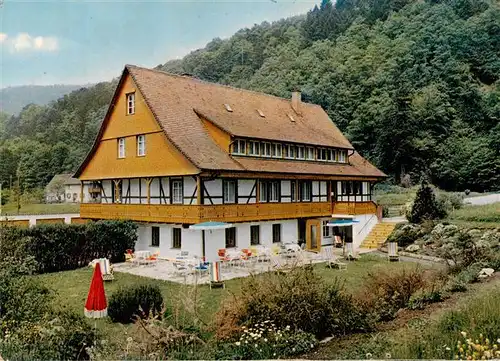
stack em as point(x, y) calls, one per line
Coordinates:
point(367, 223)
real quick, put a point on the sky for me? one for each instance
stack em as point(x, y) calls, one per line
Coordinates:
point(81, 42)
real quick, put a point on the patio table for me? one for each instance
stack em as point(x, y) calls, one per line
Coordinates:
point(292, 247)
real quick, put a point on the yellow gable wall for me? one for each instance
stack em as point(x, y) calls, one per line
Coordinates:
point(220, 137)
point(161, 159)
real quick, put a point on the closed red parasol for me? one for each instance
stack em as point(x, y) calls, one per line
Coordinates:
point(96, 305)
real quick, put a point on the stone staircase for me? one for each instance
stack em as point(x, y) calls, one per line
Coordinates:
point(378, 235)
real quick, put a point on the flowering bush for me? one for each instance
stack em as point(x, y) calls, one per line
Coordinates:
point(480, 349)
point(266, 341)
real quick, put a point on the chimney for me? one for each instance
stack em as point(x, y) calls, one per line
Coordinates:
point(296, 101)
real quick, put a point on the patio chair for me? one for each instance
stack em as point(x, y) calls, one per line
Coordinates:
point(392, 254)
point(277, 264)
point(215, 276)
point(332, 260)
point(349, 253)
point(181, 268)
point(106, 269)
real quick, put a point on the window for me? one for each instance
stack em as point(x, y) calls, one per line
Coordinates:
point(130, 103)
point(176, 191)
point(253, 148)
point(141, 145)
point(229, 191)
point(310, 153)
point(305, 191)
point(301, 153)
point(239, 147)
point(327, 230)
point(293, 190)
point(335, 155)
point(274, 191)
point(342, 156)
point(329, 155)
point(289, 151)
point(155, 236)
point(176, 238)
point(254, 235)
point(265, 149)
point(121, 147)
point(322, 153)
point(277, 151)
point(230, 237)
point(276, 233)
point(269, 191)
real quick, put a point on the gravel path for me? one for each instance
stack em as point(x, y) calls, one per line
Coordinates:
point(481, 200)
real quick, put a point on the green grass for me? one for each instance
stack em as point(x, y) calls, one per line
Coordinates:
point(71, 288)
point(10, 209)
point(489, 213)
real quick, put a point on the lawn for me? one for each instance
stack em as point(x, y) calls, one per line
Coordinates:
point(10, 209)
point(489, 214)
point(71, 289)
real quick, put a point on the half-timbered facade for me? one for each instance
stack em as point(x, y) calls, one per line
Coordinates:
point(174, 151)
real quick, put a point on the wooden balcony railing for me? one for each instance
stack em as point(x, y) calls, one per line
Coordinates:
point(227, 212)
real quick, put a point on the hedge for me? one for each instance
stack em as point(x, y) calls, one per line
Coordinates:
point(62, 247)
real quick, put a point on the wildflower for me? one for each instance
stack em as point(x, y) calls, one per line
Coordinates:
point(387, 355)
point(498, 341)
point(237, 343)
point(287, 327)
point(293, 349)
point(464, 334)
point(368, 355)
point(265, 340)
point(447, 348)
point(129, 339)
point(274, 354)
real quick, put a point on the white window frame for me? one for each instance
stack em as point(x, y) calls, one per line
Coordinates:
point(277, 150)
point(173, 238)
point(304, 186)
point(141, 145)
point(322, 152)
point(335, 155)
point(310, 153)
point(274, 191)
point(240, 147)
point(342, 156)
point(301, 154)
point(327, 230)
point(254, 148)
point(229, 191)
point(289, 151)
point(265, 149)
point(263, 191)
point(130, 103)
point(177, 191)
point(121, 148)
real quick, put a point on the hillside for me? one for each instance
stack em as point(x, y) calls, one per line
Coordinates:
point(14, 99)
point(414, 84)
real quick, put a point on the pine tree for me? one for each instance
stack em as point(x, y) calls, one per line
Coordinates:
point(425, 207)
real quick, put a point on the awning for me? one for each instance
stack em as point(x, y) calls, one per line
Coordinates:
point(205, 226)
point(341, 222)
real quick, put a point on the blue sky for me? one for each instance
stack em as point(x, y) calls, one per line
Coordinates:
point(79, 42)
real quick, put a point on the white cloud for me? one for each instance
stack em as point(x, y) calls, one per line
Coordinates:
point(23, 42)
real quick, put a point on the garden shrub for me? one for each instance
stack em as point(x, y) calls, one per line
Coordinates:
point(387, 292)
point(405, 234)
point(425, 206)
point(127, 304)
point(299, 299)
point(29, 326)
point(265, 341)
point(450, 201)
point(61, 247)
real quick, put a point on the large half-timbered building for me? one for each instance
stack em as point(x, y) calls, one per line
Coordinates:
point(174, 151)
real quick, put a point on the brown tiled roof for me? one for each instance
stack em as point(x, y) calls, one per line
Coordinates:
point(357, 167)
point(178, 102)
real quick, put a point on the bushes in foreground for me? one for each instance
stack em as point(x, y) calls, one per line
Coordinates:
point(126, 305)
point(61, 247)
point(299, 299)
point(29, 326)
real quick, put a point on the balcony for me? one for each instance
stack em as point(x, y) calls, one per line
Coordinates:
point(228, 212)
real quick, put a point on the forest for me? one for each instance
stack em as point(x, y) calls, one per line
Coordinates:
point(415, 85)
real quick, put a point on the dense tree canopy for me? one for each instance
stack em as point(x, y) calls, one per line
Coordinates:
point(415, 85)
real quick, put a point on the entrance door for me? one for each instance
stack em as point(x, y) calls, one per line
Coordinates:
point(313, 235)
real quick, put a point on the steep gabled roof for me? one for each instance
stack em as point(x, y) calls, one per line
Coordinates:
point(178, 102)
